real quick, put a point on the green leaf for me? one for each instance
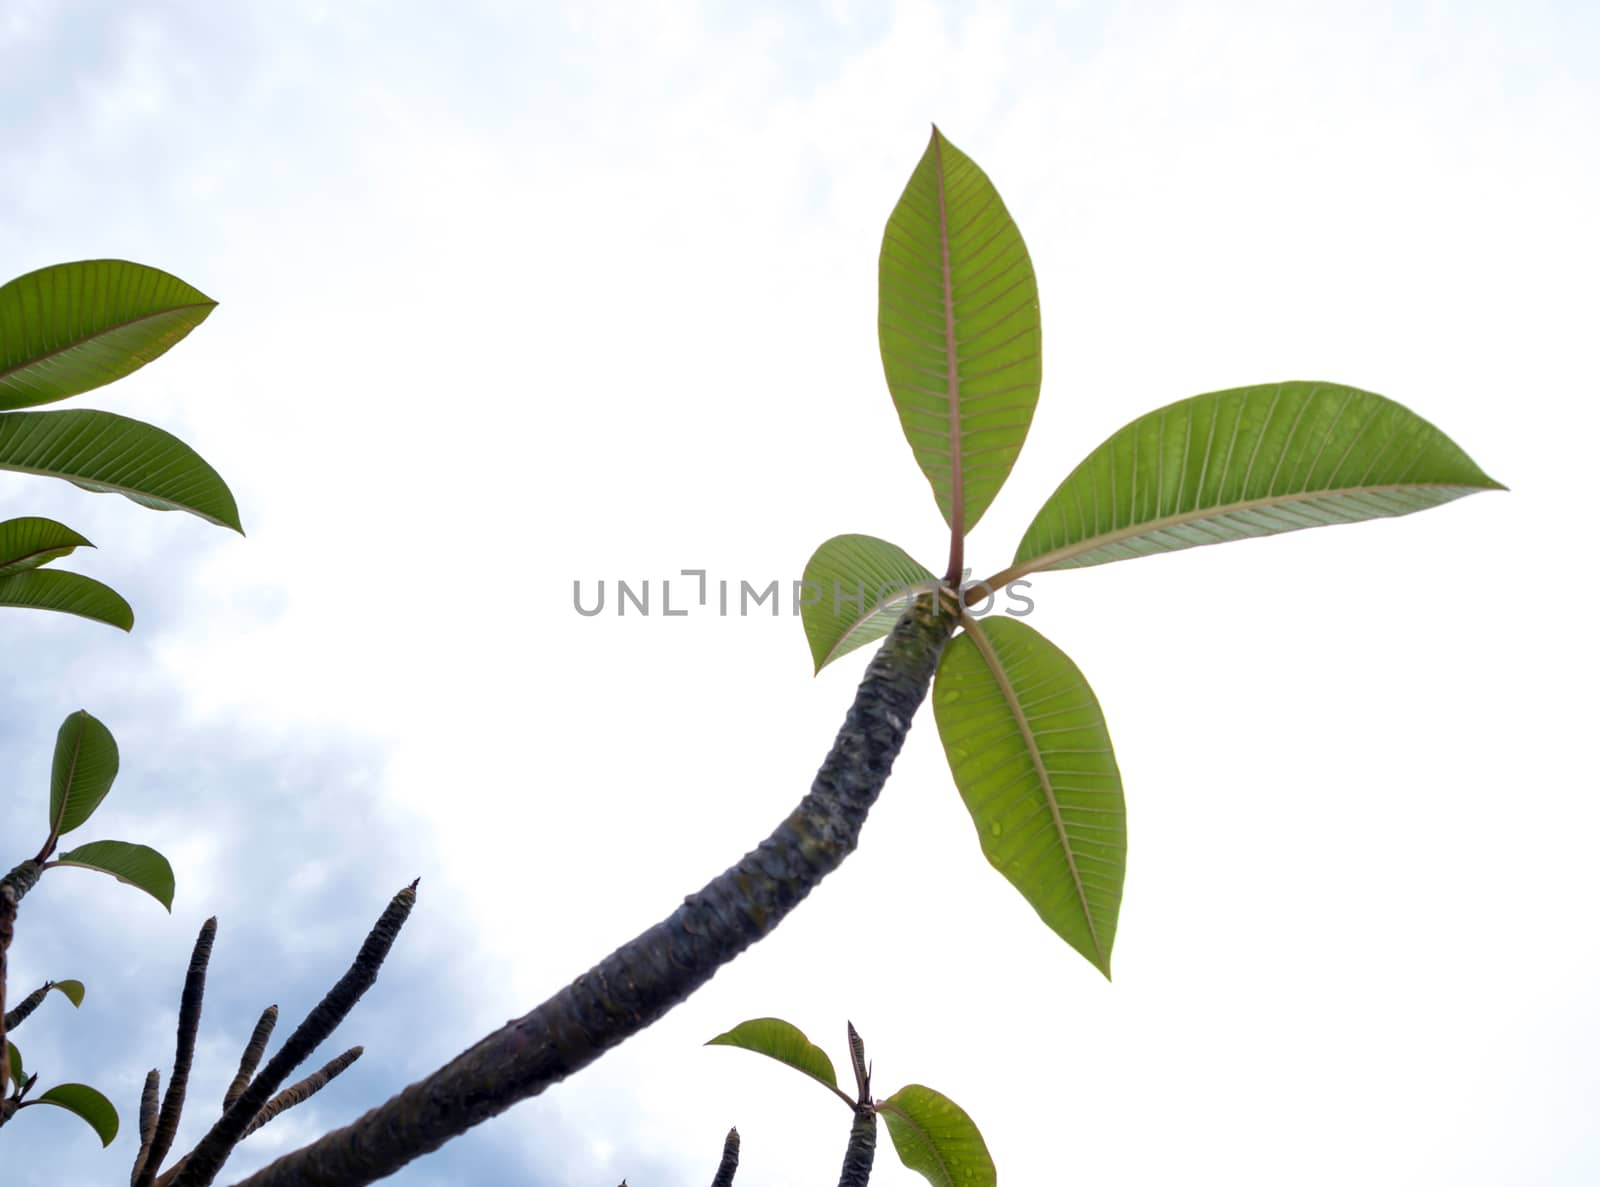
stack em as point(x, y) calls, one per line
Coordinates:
point(780, 1040)
point(68, 593)
point(71, 990)
point(137, 865)
point(934, 1137)
point(73, 327)
point(14, 1062)
point(101, 451)
point(1032, 759)
point(31, 541)
point(82, 772)
point(82, 1101)
point(1252, 461)
point(958, 329)
point(862, 585)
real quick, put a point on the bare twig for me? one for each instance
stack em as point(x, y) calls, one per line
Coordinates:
point(206, 1159)
point(730, 1160)
point(16, 1016)
point(149, 1101)
point(298, 1093)
point(253, 1051)
point(194, 992)
point(649, 975)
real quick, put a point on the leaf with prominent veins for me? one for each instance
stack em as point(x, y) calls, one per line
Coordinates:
point(32, 540)
point(1251, 461)
point(66, 593)
point(958, 329)
point(934, 1137)
point(861, 585)
point(1030, 754)
point(70, 328)
point(104, 452)
point(787, 1043)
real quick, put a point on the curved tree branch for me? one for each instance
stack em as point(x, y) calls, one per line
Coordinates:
point(646, 977)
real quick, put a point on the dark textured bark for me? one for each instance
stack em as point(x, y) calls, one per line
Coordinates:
point(17, 1016)
point(646, 977)
point(730, 1160)
point(149, 1102)
point(12, 889)
point(304, 1090)
point(194, 993)
point(206, 1159)
point(251, 1059)
point(863, 1144)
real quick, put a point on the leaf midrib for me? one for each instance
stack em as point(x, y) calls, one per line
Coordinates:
point(72, 770)
point(7, 372)
point(1066, 552)
point(952, 368)
point(99, 483)
point(986, 649)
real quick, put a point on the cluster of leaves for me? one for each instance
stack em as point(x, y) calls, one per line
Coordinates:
point(932, 1134)
point(65, 330)
point(81, 774)
point(959, 333)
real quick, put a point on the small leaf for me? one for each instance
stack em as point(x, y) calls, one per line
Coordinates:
point(71, 990)
point(137, 865)
point(66, 593)
point(104, 452)
point(83, 1101)
point(1252, 461)
point(70, 328)
point(14, 1062)
point(82, 773)
point(861, 585)
point(934, 1137)
point(1032, 759)
point(780, 1040)
point(32, 541)
point(958, 329)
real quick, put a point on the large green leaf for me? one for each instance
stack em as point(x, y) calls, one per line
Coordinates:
point(1252, 461)
point(82, 1101)
point(861, 585)
point(68, 593)
point(82, 771)
point(14, 1063)
point(785, 1042)
point(32, 541)
point(73, 327)
point(137, 865)
point(958, 329)
point(1032, 759)
point(934, 1137)
point(101, 451)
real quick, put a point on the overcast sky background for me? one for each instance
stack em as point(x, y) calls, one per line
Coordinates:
point(528, 294)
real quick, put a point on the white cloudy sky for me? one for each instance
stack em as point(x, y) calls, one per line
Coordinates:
point(524, 294)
